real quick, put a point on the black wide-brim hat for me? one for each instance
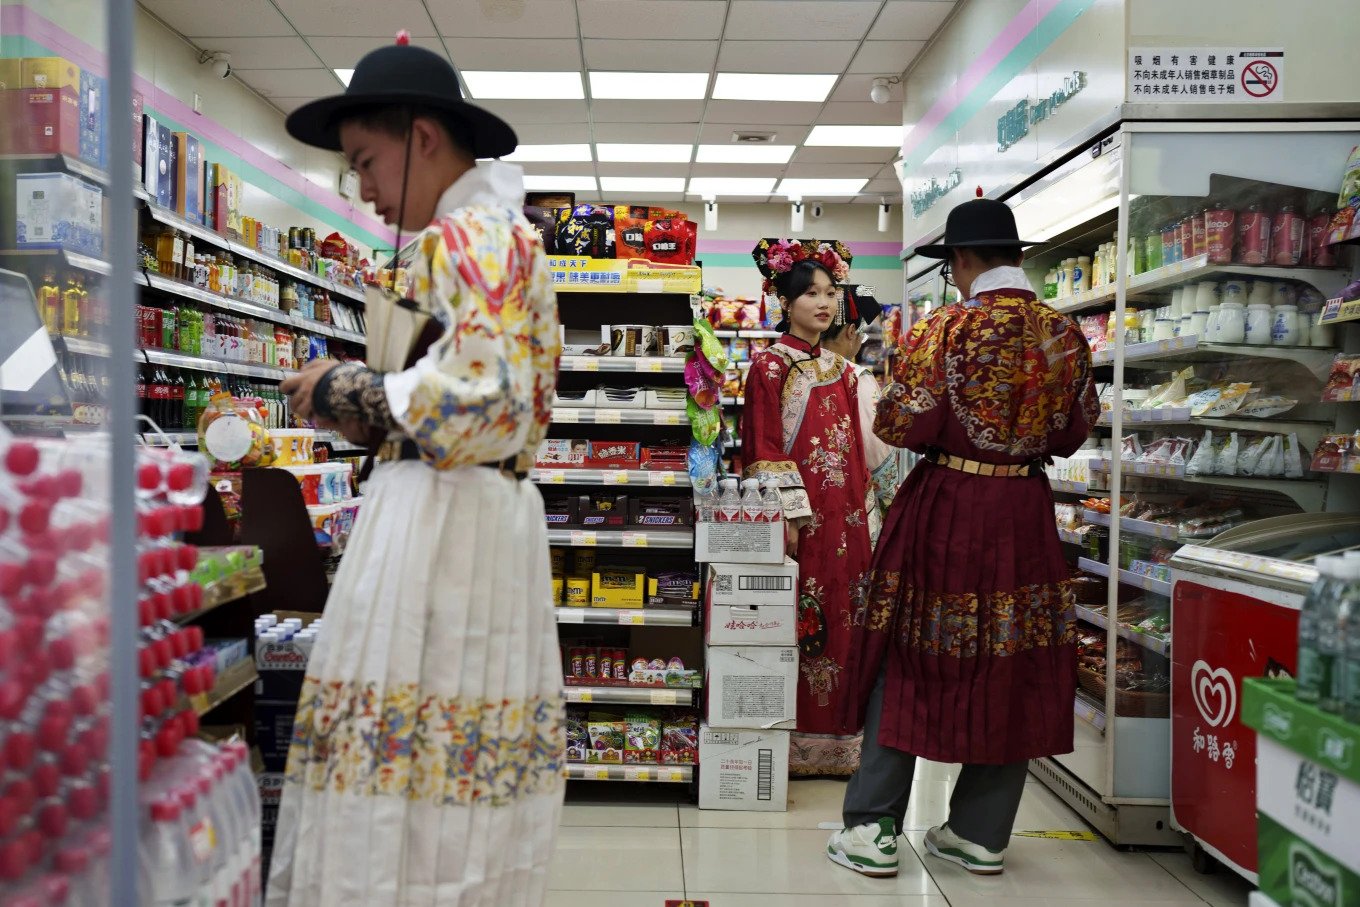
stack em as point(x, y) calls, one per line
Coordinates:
point(396, 75)
point(977, 222)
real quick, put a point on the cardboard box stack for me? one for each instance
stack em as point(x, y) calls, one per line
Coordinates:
point(751, 660)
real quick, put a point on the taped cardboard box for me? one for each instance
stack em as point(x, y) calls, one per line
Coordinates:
point(744, 769)
point(739, 543)
point(752, 686)
point(753, 584)
point(751, 625)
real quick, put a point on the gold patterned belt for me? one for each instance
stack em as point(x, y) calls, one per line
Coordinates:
point(406, 449)
point(977, 468)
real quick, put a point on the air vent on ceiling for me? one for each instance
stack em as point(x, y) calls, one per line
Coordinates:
point(753, 138)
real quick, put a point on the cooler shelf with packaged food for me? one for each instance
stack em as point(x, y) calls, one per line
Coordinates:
point(1146, 583)
point(628, 617)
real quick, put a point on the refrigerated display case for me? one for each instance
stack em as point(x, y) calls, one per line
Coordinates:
point(1237, 602)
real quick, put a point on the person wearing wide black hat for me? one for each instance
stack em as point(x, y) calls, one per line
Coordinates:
point(426, 758)
point(972, 653)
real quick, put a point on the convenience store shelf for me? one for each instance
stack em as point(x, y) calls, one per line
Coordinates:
point(216, 367)
point(1138, 527)
point(626, 695)
point(671, 774)
point(643, 364)
point(622, 538)
point(1307, 493)
point(64, 162)
point(1151, 643)
point(225, 591)
point(1066, 487)
point(82, 346)
point(182, 290)
point(1087, 711)
point(1328, 281)
point(628, 617)
point(1071, 536)
point(1128, 577)
point(230, 683)
point(76, 260)
point(1156, 354)
point(566, 415)
point(733, 401)
point(652, 478)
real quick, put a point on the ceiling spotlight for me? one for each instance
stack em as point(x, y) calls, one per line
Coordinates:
point(710, 215)
point(881, 92)
point(221, 62)
point(796, 217)
point(883, 210)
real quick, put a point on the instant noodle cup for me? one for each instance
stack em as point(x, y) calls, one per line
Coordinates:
point(324, 518)
point(311, 480)
point(293, 446)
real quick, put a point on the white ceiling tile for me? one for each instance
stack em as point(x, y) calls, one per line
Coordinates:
point(238, 19)
point(291, 83)
point(538, 112)
point(344, 52)
point(640, 170)
point(910, 20)
point(288, 105)
point(553, 133)
point(550, 168)
point(737, 170)
point(856, 88)
point(647, 111)
point(504, 18)
point(550, 54)
point(865, 113)
point(629, 18)
point(649, 132)
point(844, 20)
point(876, 156)
point(785, 56)
point(718, 133)
point(650, 56)
point(264, 53)
point(831, 171)
point(887, 58)
point(754, 113)
point(884, 186)
point(357, 18)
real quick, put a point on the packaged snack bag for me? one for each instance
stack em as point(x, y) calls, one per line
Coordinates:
point(1226, 464)
point(1293, 457)
point(630, 226)
point(643, 743)
point(1202, 463)
point(670, 241)
point(586, 230)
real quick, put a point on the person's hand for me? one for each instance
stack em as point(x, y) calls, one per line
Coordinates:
point(299, 387)
point(791, 538)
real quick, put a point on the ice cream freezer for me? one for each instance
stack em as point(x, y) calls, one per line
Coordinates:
point(1234, 614)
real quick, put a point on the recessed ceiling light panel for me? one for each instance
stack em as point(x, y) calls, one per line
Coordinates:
point(536, 86)
point(553, 153)
point(765, 86)
point(344, 75)
point(644, 185)
point(720, 186)
point(744, 154)
point(644, 153)
point(561, 184)
point(649, 86)
point(856, 136)
point(823, 188)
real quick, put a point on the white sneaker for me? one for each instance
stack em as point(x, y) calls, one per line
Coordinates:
point(943, 843)
point(870, 849)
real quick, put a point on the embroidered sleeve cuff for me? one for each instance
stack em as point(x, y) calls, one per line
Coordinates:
point(352, 391)
point(796, 504)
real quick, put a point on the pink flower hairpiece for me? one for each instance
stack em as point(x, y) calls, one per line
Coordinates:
point(778, 256)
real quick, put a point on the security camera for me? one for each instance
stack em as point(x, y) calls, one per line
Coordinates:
point(881, 91)
point(817, 210)
point(221, 65)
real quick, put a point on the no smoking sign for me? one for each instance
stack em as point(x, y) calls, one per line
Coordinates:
point(1260, 78)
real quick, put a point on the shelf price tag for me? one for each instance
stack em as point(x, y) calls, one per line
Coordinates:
point(552, 477)
point(652, 365)
point(637, 773)
point(199, 702)
point(566, 415)
point(614, 477)
point(587, 364)
point(665, 697)
point(632, 618)
point(583, 538)
point(661, 478)
point(668, 418)
point(571, 615)
point(608, 416)
point(579, 695)
point(600, 774)
point(635, 540)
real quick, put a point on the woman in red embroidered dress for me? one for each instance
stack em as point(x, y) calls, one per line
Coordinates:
point(801, 430)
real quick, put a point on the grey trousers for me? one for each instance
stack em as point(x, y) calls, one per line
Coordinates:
point(982, 807)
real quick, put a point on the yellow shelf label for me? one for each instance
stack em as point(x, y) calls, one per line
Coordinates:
point(583, 538)
point(601, 774)
point(615, 477)
point(654, 365)
point(587, 365)
point(665, 697)
point(635, 540)
point(670, 418)
point(576, 695)
point(552, 477)
point(566, 414)
point(608, 416)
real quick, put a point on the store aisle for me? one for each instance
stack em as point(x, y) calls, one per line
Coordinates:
point(617, 852)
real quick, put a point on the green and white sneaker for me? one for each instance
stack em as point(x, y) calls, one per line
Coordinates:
point(943, 843)
point(870, 849)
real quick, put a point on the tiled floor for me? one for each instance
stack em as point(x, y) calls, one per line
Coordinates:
point(616, 852)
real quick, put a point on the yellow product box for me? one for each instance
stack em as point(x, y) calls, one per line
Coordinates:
point(618, 587)
point(571, 274)
point(559, 587)
point(11, 73)
point(578, 591)
point(50, 72)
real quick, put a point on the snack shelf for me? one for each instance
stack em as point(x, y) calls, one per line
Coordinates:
point(566, 415)
point(82, 346)
point(653, 364)
point(1152, 350)
point(217, 367)
point(199, 231)
point(1080, 302)
point(1307, 493)
point(629, 617)
point(622, 538)
point(1071, 536)
point(673, 774)
point(1088, 711)
point(1128, 577)
point(77, 260)
point(227, 590)
point(1182, 417)
point(230, 683)
point(1137, 527)
point(1151, 643)
point(1175, 415)
point(649, 477)
point(236, 306)
point(71, 165)
point(1067, 487)
point(729, 334)
point(629, 695)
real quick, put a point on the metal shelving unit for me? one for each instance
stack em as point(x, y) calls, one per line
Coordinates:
point(652, 478)
point(622, 538)
point(566, 415)
point(660, 365)
point(1151, 643)
point(1128, 577)
point(674, 774)
point(182, 290)
point(629, 617)
point(626, 695)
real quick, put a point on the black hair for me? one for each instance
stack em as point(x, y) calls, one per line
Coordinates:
point(396, 119)
point(997, 256)
point(795, 281)
point(834, 331)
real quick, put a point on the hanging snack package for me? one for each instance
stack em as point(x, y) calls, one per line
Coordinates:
point(706, 422)
point(630, 226)
point(1251, 455)
point(669, 241)
point(702, 464)
point(586, 231)
point(1202, 463)
point(1232, 398)
point(709, 346)
point(1293, 457)
point(1226, 462)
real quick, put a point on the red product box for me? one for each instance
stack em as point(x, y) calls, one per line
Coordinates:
point(613, 455)
point(44, 120)
point(673, 458)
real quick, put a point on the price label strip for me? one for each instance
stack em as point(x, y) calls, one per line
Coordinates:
point(614, 477)
point(587, 364)
point(632, 618)
point(552, 477)
point(661, 478)
point(635, 540)
point(566, 415)
point(608, 416)
point(575, 694)
point(653, 365)
point(665, 697)
point(571, 615)
point(668, 418)
point(584, 538)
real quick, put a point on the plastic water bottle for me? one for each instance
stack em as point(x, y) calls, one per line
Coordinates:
point(1317, 620)
point(752, 505)
point(706, 503)
point(729, 502)
point(1331, 638)
point(772, 503)
point(170, 862)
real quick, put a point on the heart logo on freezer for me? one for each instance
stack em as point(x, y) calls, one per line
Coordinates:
point(1215, 693)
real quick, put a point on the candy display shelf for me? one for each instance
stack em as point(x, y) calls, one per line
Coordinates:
point(1151, 643)
point(629, 617)
point(198, 231)
point(216, 366)
point(76, 260)
point(230, 683)
point(1128, 577)
point(622, 538)
point(644, 364)
point(565, 415)
point(229, 589)
point(626, 695)
point(182, 290)
point(675, 774)
point(642, 477)
point(1165, 531)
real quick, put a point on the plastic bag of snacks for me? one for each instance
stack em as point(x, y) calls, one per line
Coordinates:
point(232, 434)
point(1203, 462)
point(586, 230)
point(1344, 377)
point(671, 241)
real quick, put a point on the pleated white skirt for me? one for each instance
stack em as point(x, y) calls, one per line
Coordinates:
point(426, 761)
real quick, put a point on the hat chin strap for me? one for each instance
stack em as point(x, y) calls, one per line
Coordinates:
point(401, 206)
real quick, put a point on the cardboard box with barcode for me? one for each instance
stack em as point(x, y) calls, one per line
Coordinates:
point(752, 604)
point(744, 769)
point(739, 543)
point(618, 587)
point(751, 686)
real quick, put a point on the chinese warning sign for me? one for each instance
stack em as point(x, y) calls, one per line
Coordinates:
point(1206, 75)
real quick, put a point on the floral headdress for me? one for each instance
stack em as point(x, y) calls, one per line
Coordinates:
point(777, 256)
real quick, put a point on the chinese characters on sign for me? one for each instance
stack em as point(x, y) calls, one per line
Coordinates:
point(1014, 124)
point(923, 199)
point(1217, 751)
point(1205, 75)
point(1314, 792)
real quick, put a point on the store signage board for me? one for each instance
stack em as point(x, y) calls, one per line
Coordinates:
point(1206, 75)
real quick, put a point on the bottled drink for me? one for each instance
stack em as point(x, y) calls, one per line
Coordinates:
point(772, 503)
point(70, 309)
point(752, 506)
point(1331, 644)
point(1317, 618)
point(1348, 671)
point(49, 303)
point(178, 394)
point(729, 502)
